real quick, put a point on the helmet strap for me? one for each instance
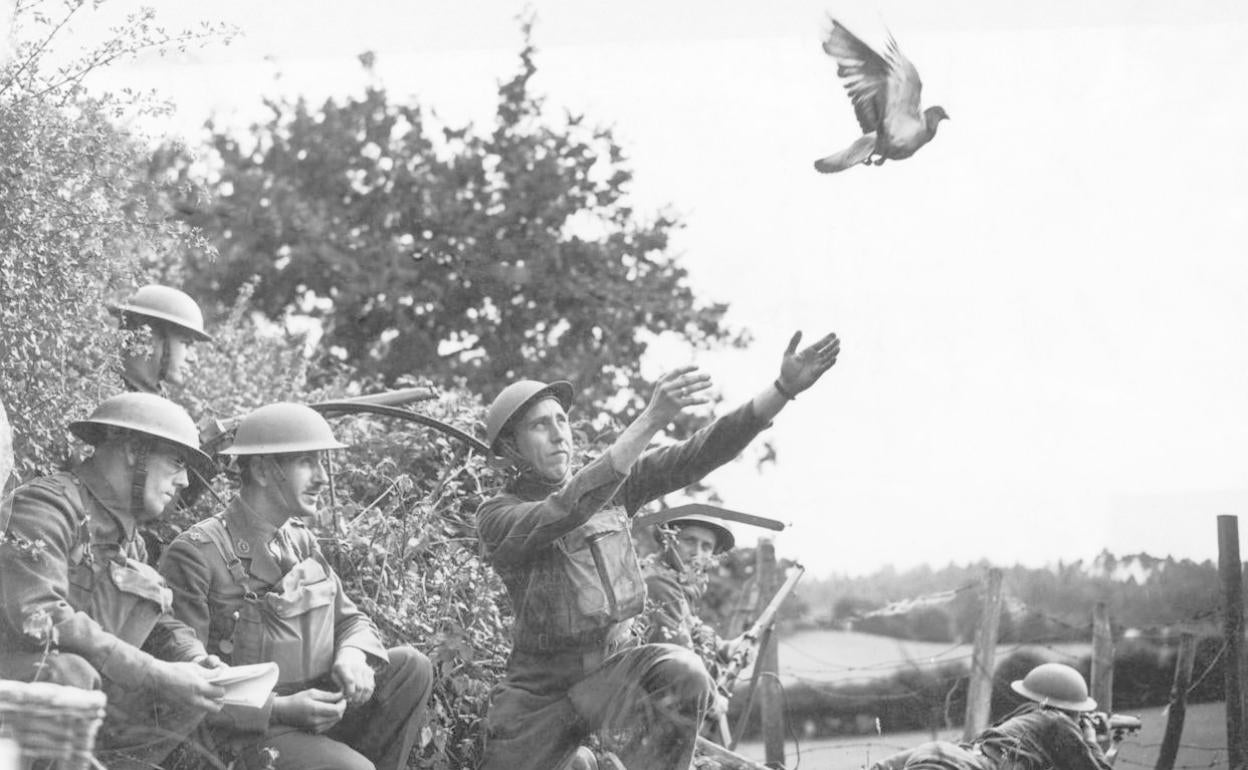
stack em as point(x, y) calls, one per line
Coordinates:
point(204, 482)
point(163, 354)
point(518, 465)
point(136, 371)
point(281, 476)
point(138, 480)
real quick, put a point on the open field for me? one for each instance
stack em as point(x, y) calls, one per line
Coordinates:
point(847, 656)
point(1203, 744)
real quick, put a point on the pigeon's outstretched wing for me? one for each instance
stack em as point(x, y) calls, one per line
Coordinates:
point(881, 87)
point(865, 73)
point(905, 89)
point(856, 153)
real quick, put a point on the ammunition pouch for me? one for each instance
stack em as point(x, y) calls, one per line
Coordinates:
point(589, 581)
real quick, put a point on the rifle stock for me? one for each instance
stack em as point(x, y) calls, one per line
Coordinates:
point(768, 615)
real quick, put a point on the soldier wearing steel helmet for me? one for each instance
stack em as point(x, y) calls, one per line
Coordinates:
point(175, 324)
point(78, 600)
point(1054, 728)
point(677, 581)
point(558, 536)
point(253, 582)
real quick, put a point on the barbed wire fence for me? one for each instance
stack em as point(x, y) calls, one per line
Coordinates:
point(828, 681)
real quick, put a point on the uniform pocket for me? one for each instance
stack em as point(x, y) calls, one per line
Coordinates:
point(603, 568)
point(131, 600)
point(294, 629)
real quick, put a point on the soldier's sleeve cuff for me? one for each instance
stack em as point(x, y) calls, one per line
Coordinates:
point(124, 664)
point(373, 651)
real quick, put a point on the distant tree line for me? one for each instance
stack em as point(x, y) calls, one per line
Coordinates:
point(1042, 604)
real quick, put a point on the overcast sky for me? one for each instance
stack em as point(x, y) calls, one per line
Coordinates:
point(1044, 312)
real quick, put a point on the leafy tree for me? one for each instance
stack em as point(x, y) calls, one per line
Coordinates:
point(75, 226)
point(456, 254)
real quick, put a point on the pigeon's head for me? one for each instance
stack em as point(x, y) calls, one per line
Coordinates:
point(933, 116)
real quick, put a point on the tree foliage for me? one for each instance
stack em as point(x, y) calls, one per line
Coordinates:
point(452, 253)
point(468, 258)
point(75, 224)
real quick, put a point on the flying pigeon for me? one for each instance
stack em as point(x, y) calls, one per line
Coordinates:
point(885, 91)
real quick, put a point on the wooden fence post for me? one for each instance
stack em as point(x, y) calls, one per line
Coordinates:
point(1231, 570)
point(770, 700)
point(1102, 658)
point(1177, 710)
point(979, 691)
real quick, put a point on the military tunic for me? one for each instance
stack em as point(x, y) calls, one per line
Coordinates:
point(72, 570)
point(209, 597)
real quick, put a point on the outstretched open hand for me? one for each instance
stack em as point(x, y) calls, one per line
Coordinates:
point(800, 370)
point(679, 390)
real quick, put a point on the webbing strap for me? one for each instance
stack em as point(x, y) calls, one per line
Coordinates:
point(216, 531)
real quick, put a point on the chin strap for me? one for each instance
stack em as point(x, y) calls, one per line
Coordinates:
point(138, 481)
point(136, 376)
point(163, 353)
point(281, 475)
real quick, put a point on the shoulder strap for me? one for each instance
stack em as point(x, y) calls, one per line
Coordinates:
point(214, 528)
point(65, 486)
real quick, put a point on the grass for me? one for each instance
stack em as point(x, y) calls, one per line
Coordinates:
point(1203, 744)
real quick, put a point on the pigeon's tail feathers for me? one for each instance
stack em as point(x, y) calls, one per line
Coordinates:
point(856, 153)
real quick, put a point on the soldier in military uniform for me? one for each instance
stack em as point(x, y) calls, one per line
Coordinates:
point(676, 581)
point(1054, 729)
point(559, 539)
point(167, 323)
point(174, 322)
point(253, 582)
point(78, 600)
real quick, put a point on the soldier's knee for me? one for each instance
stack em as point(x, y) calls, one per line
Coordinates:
point(71, 670)
point(359, 762)
point(684, 674)
point(409, 664)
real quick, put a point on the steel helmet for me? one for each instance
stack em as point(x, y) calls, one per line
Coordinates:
point(166, 304)
point(1057, 685)
point(145, 413)
point(282, 428)
point(515, 399)
point(724, 540)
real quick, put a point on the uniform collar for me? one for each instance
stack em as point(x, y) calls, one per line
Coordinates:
point(528, 484)
point(134, 383)
point(119, 524)
point(251, 536)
